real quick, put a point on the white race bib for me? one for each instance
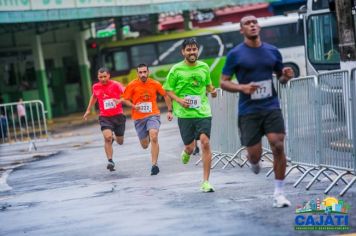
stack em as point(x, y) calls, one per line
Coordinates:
point(264, 91)
point(145, 107)
point(109, 104)
point(194, 101)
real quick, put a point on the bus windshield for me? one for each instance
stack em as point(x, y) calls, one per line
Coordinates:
point(322, 41)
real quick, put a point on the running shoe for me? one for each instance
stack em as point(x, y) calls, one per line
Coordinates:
point(206, 187)
point(196, 151)
point(111, 165)
point(154, 170)
point(279, 200)
point(256, 168)
point(185, 157)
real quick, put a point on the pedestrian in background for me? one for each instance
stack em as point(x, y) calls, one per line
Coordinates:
point(21, 113)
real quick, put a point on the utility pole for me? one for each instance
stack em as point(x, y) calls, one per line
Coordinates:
point(187, 23)
point(118, 27)
point(346, 29)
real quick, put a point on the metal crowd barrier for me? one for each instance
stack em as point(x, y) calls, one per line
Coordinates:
point(23, 122)
point(353, 128)
point(334, 114)
point(339, 153)
point(224, 136)
point(320, 119)
point(303, 126)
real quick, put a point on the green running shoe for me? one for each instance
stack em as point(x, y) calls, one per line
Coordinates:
point(185, 157)
point(206, 187)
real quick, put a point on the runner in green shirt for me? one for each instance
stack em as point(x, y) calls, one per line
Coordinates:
point(187, 84)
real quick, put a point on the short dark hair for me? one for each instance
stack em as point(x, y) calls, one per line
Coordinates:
point(244, 17)
point(189, 41)
point(142, 65)
point(103, 70)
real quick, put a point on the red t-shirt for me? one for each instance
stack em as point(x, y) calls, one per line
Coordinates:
point(105, 94)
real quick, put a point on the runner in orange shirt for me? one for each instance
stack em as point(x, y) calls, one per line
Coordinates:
point(141, 95)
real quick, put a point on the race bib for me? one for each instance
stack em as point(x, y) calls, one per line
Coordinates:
point(145, 107)
point(264, 91)
point(109, 104)
point(194, 101)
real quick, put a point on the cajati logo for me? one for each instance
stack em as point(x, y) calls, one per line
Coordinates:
point(327, 214)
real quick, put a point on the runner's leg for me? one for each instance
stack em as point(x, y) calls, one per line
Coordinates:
point(153, 133)
point(107, 133)
point(206, 155)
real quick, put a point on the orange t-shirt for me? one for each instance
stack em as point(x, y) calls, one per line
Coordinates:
point(144, 94)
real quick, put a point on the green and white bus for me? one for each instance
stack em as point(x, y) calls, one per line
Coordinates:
point(160, 52)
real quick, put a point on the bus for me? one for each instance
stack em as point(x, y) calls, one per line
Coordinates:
point(323, 53)
point(160, 52)
point(321, 38)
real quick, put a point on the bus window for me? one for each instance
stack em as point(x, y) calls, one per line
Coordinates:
point(121, 62)
point(282, 36)
point(320, 4)
point(143, 54)
point(322, 40)
point(169, 52)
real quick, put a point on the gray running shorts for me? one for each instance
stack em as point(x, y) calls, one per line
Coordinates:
point(142, 126)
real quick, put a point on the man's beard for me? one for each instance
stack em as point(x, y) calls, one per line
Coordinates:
point(192, 60)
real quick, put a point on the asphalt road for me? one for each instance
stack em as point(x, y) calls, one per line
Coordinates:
point(72, 193)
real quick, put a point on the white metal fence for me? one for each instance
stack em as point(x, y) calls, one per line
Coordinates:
point(23, 122)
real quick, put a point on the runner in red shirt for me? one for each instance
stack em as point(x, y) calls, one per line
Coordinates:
point(108, 94)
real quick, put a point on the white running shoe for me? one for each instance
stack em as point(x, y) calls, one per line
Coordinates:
point(279, 200)
point(256, 168)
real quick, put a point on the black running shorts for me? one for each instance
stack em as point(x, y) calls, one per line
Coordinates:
point(192, 128)
point(115, 123)
point(252, 127)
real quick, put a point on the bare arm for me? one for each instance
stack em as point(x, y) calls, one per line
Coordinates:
point(181, 101)
point(130, 104)
point(168, 101)
point(228, 85)
point(92, 102)
point(210, 88)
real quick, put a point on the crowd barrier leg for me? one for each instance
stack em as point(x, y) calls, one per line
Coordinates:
point(348, 186)
point(307, 172)
point(222, 158)
point(327, 190)
point(32, 145)
point(322, 171)
point(236, 155)
point(214, 155)
point(298, 167)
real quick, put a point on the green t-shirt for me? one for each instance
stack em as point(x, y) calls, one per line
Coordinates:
point(191, 81)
